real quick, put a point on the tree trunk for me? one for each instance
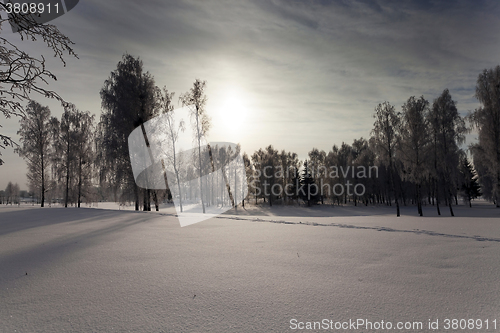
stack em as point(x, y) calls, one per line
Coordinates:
point(136, 194)
point(199, 160)
point(155, 198)
point(419, 203)
point(67, 187)
point(437, 197)
point(147, 200)
point(43, 180)
point(450, 204)
point(80, 164)
point(235, 202)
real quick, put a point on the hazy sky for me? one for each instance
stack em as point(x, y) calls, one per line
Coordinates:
point(294, 74)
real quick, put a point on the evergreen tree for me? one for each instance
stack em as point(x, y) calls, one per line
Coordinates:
point(309, 190)
point(470, 187)
point(317, 166)
point(294, 190)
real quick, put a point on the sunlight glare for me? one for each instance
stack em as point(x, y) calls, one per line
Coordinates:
point(233, 112)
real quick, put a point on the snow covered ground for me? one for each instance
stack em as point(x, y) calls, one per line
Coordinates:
point(258, 269)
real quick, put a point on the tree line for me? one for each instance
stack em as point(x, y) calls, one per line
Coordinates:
point(415, 154)
point(58, 152)
point(74, 159)
point(12, 194)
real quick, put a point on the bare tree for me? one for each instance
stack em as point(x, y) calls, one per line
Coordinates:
point(9, 191)
point(66, 145)
point(21, 75)
point(385, 134)
point(288, 162)
point(330, 162)
point(258, 160)
point(72, 138)
point(486, 119)
point(448, 132)
point(128, 100)
point(172, 131)
point(249, 175)
point(83, 123)
point(35, 135)
point(196, 100)
point(344, 159)
point(414, 142)
point(317, 164)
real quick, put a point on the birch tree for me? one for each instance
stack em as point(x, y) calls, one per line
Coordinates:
point(21, 74)
point(84, 153)
point(486, 120)
point(35, 135)
point(172, 131)
point(196, 99)
point(414, 142)
point(128, 100)
point(387, 122)
point(448, 132)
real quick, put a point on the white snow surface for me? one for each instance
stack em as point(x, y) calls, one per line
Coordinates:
point(249, 270)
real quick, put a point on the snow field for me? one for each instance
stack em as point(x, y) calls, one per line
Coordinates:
point(98, 270)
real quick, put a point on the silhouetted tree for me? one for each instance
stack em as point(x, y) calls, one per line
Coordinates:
point(128, 100)
point(447, 130)
point(309, 190)
point(486, 119)
point(414, 142)
point(21, 75)
point(289, 164)
point(317, 165)
point(11, 193)
point(470, 187)
point(35, 135)
point(363, 160)
point(344, 160)
point(387, 122)
point(249, 175)
point(84, 154)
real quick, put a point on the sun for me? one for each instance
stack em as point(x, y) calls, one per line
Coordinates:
point(233, 112)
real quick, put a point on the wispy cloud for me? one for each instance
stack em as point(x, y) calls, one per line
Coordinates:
point(312, 71)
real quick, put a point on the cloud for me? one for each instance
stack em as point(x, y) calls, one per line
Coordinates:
point(323, 62)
